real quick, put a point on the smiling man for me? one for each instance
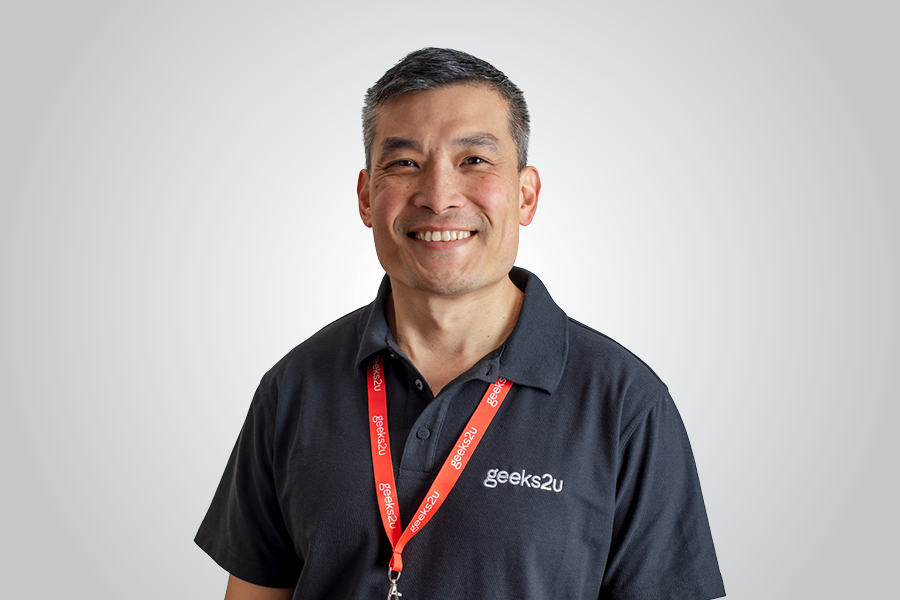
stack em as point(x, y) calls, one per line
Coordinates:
point(460, 431)
point(444, 196)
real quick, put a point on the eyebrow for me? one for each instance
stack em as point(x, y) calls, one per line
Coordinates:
point(480, 140)
point(394, 143)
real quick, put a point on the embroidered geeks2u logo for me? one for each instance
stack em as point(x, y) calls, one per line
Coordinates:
point(546, 482)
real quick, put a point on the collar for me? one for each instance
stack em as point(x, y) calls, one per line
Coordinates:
point(534, 354)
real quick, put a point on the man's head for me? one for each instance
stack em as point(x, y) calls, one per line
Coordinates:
point(433, 68)
point(445, 192)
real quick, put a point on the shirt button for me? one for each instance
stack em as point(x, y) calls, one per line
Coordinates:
point(419, 385)
point(423, 433)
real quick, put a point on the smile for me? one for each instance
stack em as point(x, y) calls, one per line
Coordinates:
point(441, 236)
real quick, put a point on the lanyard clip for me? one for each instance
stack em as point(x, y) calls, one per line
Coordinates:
point(393, 592)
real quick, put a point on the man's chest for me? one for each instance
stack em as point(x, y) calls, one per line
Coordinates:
point(542, 478)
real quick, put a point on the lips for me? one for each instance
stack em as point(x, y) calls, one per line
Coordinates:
point(442, 236)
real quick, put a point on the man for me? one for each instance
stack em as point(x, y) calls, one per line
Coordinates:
point(459, 431)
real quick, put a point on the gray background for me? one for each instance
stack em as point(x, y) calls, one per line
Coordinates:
point(178, 211)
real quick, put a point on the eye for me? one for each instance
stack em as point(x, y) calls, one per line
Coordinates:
point(403, 162)
point(474, 160)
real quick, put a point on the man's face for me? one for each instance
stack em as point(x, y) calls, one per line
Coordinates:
point(444, 197)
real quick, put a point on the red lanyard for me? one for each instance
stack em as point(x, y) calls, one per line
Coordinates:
point(446, 478)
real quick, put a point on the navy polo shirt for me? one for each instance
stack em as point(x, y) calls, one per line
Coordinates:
point(584, 486)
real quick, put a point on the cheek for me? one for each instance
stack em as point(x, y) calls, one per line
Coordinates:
point(388, 198)
point(384, 204)
point(498, 200)
point(487, 191)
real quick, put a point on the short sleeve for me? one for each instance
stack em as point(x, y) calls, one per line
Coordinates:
point(662, 548)
point(244, 530)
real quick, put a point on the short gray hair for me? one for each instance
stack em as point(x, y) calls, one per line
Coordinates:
point(432, 68)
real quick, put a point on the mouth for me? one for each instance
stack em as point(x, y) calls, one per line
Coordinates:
point(441, 236)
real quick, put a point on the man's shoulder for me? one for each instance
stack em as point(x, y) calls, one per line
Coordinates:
point(332, 348)
point(611, 371)
point(586, 344)
point(571, 353)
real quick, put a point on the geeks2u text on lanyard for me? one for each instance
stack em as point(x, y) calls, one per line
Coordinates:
point(383, 467)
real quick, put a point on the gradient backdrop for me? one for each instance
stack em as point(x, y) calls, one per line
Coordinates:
point(178, 211)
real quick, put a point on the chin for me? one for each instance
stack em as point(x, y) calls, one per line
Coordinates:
point(443, 286)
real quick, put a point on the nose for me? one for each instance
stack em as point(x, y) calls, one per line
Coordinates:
point(441, 189)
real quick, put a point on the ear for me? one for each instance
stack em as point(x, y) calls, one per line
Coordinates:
point(529, 190)
point(362, 192)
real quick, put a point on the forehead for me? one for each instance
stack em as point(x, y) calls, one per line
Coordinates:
point(460, 109)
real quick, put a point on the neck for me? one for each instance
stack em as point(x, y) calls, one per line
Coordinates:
point(444, 336)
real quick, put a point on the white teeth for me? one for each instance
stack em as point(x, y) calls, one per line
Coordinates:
point(442, 236)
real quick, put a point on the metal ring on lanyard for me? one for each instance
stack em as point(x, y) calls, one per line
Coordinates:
point(393, 593)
